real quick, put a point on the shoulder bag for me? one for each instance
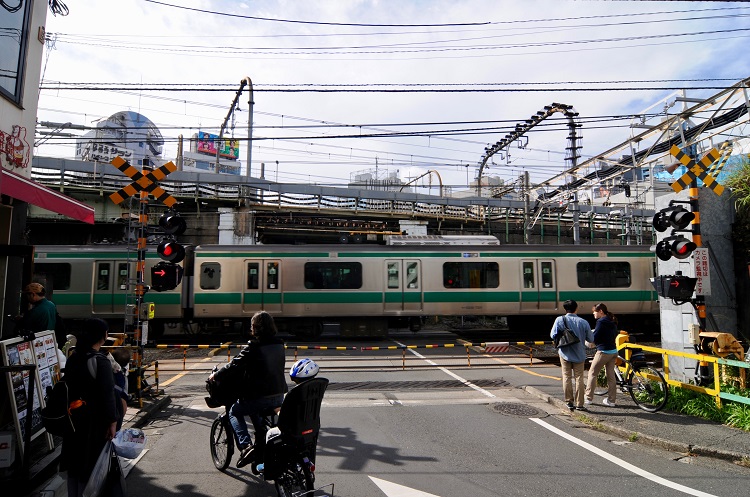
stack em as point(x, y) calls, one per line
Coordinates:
point(565, 337)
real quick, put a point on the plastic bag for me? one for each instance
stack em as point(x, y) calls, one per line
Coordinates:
point(99, 474)
point(129, 442)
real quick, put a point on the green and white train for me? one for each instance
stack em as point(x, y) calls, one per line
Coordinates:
point(357, 290)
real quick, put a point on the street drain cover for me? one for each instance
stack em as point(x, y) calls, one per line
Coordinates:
point(514, 409)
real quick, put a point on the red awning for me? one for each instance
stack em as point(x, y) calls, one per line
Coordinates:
point(23, 188)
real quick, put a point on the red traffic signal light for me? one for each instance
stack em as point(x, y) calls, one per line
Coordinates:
point(165, 276)
point(678, 247)
point(675, 287)
point(171, 251)
point(172, 223)
point(676, 217)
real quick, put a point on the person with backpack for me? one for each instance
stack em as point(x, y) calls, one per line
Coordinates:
point(573, 357)
point(88, 374)
point(262, 362)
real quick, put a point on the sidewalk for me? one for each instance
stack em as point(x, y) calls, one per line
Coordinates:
point(676, 432)
point(134, 418)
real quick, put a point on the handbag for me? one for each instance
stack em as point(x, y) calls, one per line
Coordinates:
point(565, 337)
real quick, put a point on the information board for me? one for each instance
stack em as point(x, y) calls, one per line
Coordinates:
point(42, 351)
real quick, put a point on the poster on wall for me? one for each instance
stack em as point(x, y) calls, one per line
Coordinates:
point(17, 352)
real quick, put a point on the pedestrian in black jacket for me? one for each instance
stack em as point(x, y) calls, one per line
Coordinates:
point(88, 373)
point(606, 355)
point(262, 362)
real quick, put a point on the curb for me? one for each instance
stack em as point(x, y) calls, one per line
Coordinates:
point(143, 415)
point(603, 426)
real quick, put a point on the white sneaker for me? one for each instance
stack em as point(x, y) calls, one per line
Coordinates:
point(607, 403)
point(587, 402)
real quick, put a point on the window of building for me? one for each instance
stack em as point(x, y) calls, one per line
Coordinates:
point(603, 274)
point(14, 33)
point(333, 275)
point(210, 276)
point(471, 275)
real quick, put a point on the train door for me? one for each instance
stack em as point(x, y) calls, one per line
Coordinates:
point(538, 285)
point(110, 288)
point(403, 286)
point(262, 286)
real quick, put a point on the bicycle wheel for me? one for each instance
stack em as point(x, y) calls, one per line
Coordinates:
point(648, 388)
point(222, 443)
point(295, 480)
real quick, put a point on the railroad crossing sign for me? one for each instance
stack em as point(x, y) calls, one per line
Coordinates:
point(143, 182)
point(696, 170)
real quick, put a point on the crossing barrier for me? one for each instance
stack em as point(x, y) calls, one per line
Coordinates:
point(485, 347)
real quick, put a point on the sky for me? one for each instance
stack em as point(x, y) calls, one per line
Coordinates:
point(374, 66)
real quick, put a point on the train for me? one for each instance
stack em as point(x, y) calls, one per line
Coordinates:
point(356, 290)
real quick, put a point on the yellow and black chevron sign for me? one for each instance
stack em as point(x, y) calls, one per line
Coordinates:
point(143, 182)
point(696, 170)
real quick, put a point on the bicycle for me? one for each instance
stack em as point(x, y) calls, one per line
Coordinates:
point(224, 438)
point(638, 377)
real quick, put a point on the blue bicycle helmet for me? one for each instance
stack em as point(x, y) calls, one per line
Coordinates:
point(304, 369)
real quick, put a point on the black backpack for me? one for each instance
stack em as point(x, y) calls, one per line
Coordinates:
point(63, 409)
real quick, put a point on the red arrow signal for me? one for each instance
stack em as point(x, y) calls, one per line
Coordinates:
point(160, 273)
point(674, 283)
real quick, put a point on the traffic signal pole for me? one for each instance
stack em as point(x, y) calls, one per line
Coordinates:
point(699, 302)
point(140, 287)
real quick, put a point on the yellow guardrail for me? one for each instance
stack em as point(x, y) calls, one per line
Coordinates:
point(714, 362)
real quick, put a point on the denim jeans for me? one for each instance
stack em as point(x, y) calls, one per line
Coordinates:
point(252, 408)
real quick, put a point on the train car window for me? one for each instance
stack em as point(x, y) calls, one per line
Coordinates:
point(547, 281)
point(210, 275)
point(55, 274)
point(471, 275)
point(412, 275)
point(333, 275)
point(528, 275)
point(272, 275)
point(122, 276)
point(253, 276)
point(393, 274)
point(603, 274)
point(102, 276)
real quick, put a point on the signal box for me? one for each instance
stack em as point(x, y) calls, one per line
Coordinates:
point(676, 287)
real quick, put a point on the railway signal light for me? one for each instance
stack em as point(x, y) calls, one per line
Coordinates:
point(676, 287)
point(675, 216)
point(165, 276)
point(172, 223)
point(171, 251)
point(676, 246)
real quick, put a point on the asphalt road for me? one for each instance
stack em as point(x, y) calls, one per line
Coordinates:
point(420, 423)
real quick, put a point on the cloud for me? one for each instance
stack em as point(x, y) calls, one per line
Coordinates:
point(546, 42)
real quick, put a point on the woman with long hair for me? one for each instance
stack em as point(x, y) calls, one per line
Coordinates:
point(606, 355)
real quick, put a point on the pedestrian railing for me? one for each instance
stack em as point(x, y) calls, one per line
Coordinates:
point(716, 363)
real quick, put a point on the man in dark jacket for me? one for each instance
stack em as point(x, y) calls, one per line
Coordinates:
point(262, 361)
point(40, 316)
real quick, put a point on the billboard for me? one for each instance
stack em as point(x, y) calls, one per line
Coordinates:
point(208, 143)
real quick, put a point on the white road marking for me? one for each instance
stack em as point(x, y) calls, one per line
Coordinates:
point(623, 464)
point(395, 490)
point(449, 373)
